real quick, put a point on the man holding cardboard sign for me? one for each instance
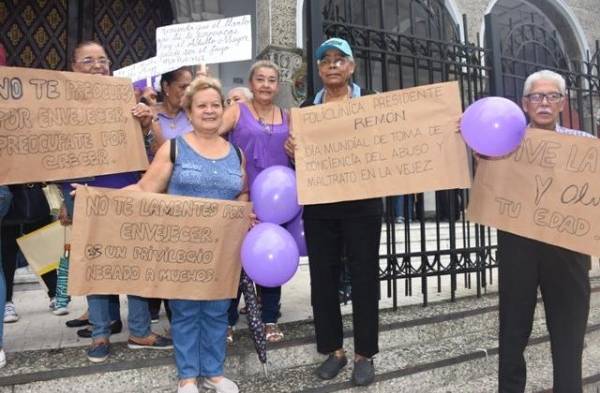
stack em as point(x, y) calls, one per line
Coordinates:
point(528, 193)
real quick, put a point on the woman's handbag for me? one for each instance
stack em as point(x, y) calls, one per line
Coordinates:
point(29, 204)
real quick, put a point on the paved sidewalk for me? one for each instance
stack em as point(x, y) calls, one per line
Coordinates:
point(38, 328)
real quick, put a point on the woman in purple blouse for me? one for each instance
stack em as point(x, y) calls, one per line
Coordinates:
point(170, 119)
point(260, 129)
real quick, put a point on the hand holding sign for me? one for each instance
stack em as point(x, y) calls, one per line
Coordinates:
point(493, 126)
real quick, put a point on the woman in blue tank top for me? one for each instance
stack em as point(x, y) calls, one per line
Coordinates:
point(205, 165)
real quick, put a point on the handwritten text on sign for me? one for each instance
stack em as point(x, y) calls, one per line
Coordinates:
point(63, 125)
point(400, 142)
point(215, 41)
point(546, 190)
point(156, 245)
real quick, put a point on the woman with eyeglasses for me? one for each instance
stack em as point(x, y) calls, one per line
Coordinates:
point(260, 129)
point(330, 227)
point(90, 58)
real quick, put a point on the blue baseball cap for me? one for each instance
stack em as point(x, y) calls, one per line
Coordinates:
point(334, 43)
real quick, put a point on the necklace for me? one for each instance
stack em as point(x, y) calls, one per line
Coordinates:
point(267, 127)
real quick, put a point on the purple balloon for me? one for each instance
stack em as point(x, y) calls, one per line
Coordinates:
point(274, 196)
point(493, 126)
point(296, 229)
point(269, 255)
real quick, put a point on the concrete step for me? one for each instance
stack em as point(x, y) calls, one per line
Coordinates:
point(442, 346)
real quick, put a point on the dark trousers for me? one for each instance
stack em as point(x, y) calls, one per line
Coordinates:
point(324, 240)
point(10, 248)
point(154, 307)
point(270, 304)
point(563, 278)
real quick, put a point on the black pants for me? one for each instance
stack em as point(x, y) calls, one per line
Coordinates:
point(154, 307)
point(563, 278)
point(9, 234)
point(324, 240)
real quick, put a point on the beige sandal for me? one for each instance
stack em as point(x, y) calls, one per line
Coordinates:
point(273, 333)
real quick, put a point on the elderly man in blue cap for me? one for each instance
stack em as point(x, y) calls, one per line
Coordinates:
point(353, 226)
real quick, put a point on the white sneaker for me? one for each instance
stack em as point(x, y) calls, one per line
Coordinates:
point(60, 311)
point(223, 386)
point(10, 313)
point(188, 388)
point(52, 304)
point(2, 358)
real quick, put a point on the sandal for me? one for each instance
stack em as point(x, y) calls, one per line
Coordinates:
point(229, 334)
point(273, 333)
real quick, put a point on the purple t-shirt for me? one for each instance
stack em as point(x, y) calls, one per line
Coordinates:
point(261, 143)
point(172, 127)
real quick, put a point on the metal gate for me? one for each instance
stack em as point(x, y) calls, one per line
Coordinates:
point(404, 43)
point(395, 52)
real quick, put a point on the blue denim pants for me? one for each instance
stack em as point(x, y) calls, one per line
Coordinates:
point(199, 330)
point(5, 198)
point(101, 309)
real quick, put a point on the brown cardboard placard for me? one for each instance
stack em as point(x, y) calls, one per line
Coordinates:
point(156, 245)
point(399, 142)
point(545, 190)
point(58, 125)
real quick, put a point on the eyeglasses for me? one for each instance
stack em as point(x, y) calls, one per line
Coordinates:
point(552, 98)
point(88, 62)
point(328, 62)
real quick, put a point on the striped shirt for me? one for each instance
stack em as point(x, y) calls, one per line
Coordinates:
point(568, 131)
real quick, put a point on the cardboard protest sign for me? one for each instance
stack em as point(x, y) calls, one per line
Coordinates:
point(156, 245)
point(546, 190)
point(400, 142)
point(64, 125)
point(209, 42)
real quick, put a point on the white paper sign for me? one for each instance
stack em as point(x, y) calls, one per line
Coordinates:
point(209, 42)
point(139, 71)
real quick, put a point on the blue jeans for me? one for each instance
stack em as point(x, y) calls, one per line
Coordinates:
point(114, 305)
point(199, 330)
point(399, 206)
point(5, 198)
point(101, 316)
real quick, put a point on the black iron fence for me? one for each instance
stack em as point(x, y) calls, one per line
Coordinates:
point(401, 44)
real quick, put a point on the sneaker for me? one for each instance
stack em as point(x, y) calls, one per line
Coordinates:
point(229, 334)
point(223, 386)
point(99, 351)
point(363, 373)
point(60, 311)
point(273, 333)
point(153, 341)
point(331, 367)
point(188, 388)
point(52, 304)
point(10, 313)
point(154, 318)
point(2, 358)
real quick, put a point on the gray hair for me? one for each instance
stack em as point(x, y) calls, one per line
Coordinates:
point(263, 64)
point(244, 90)
point(548, 76)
